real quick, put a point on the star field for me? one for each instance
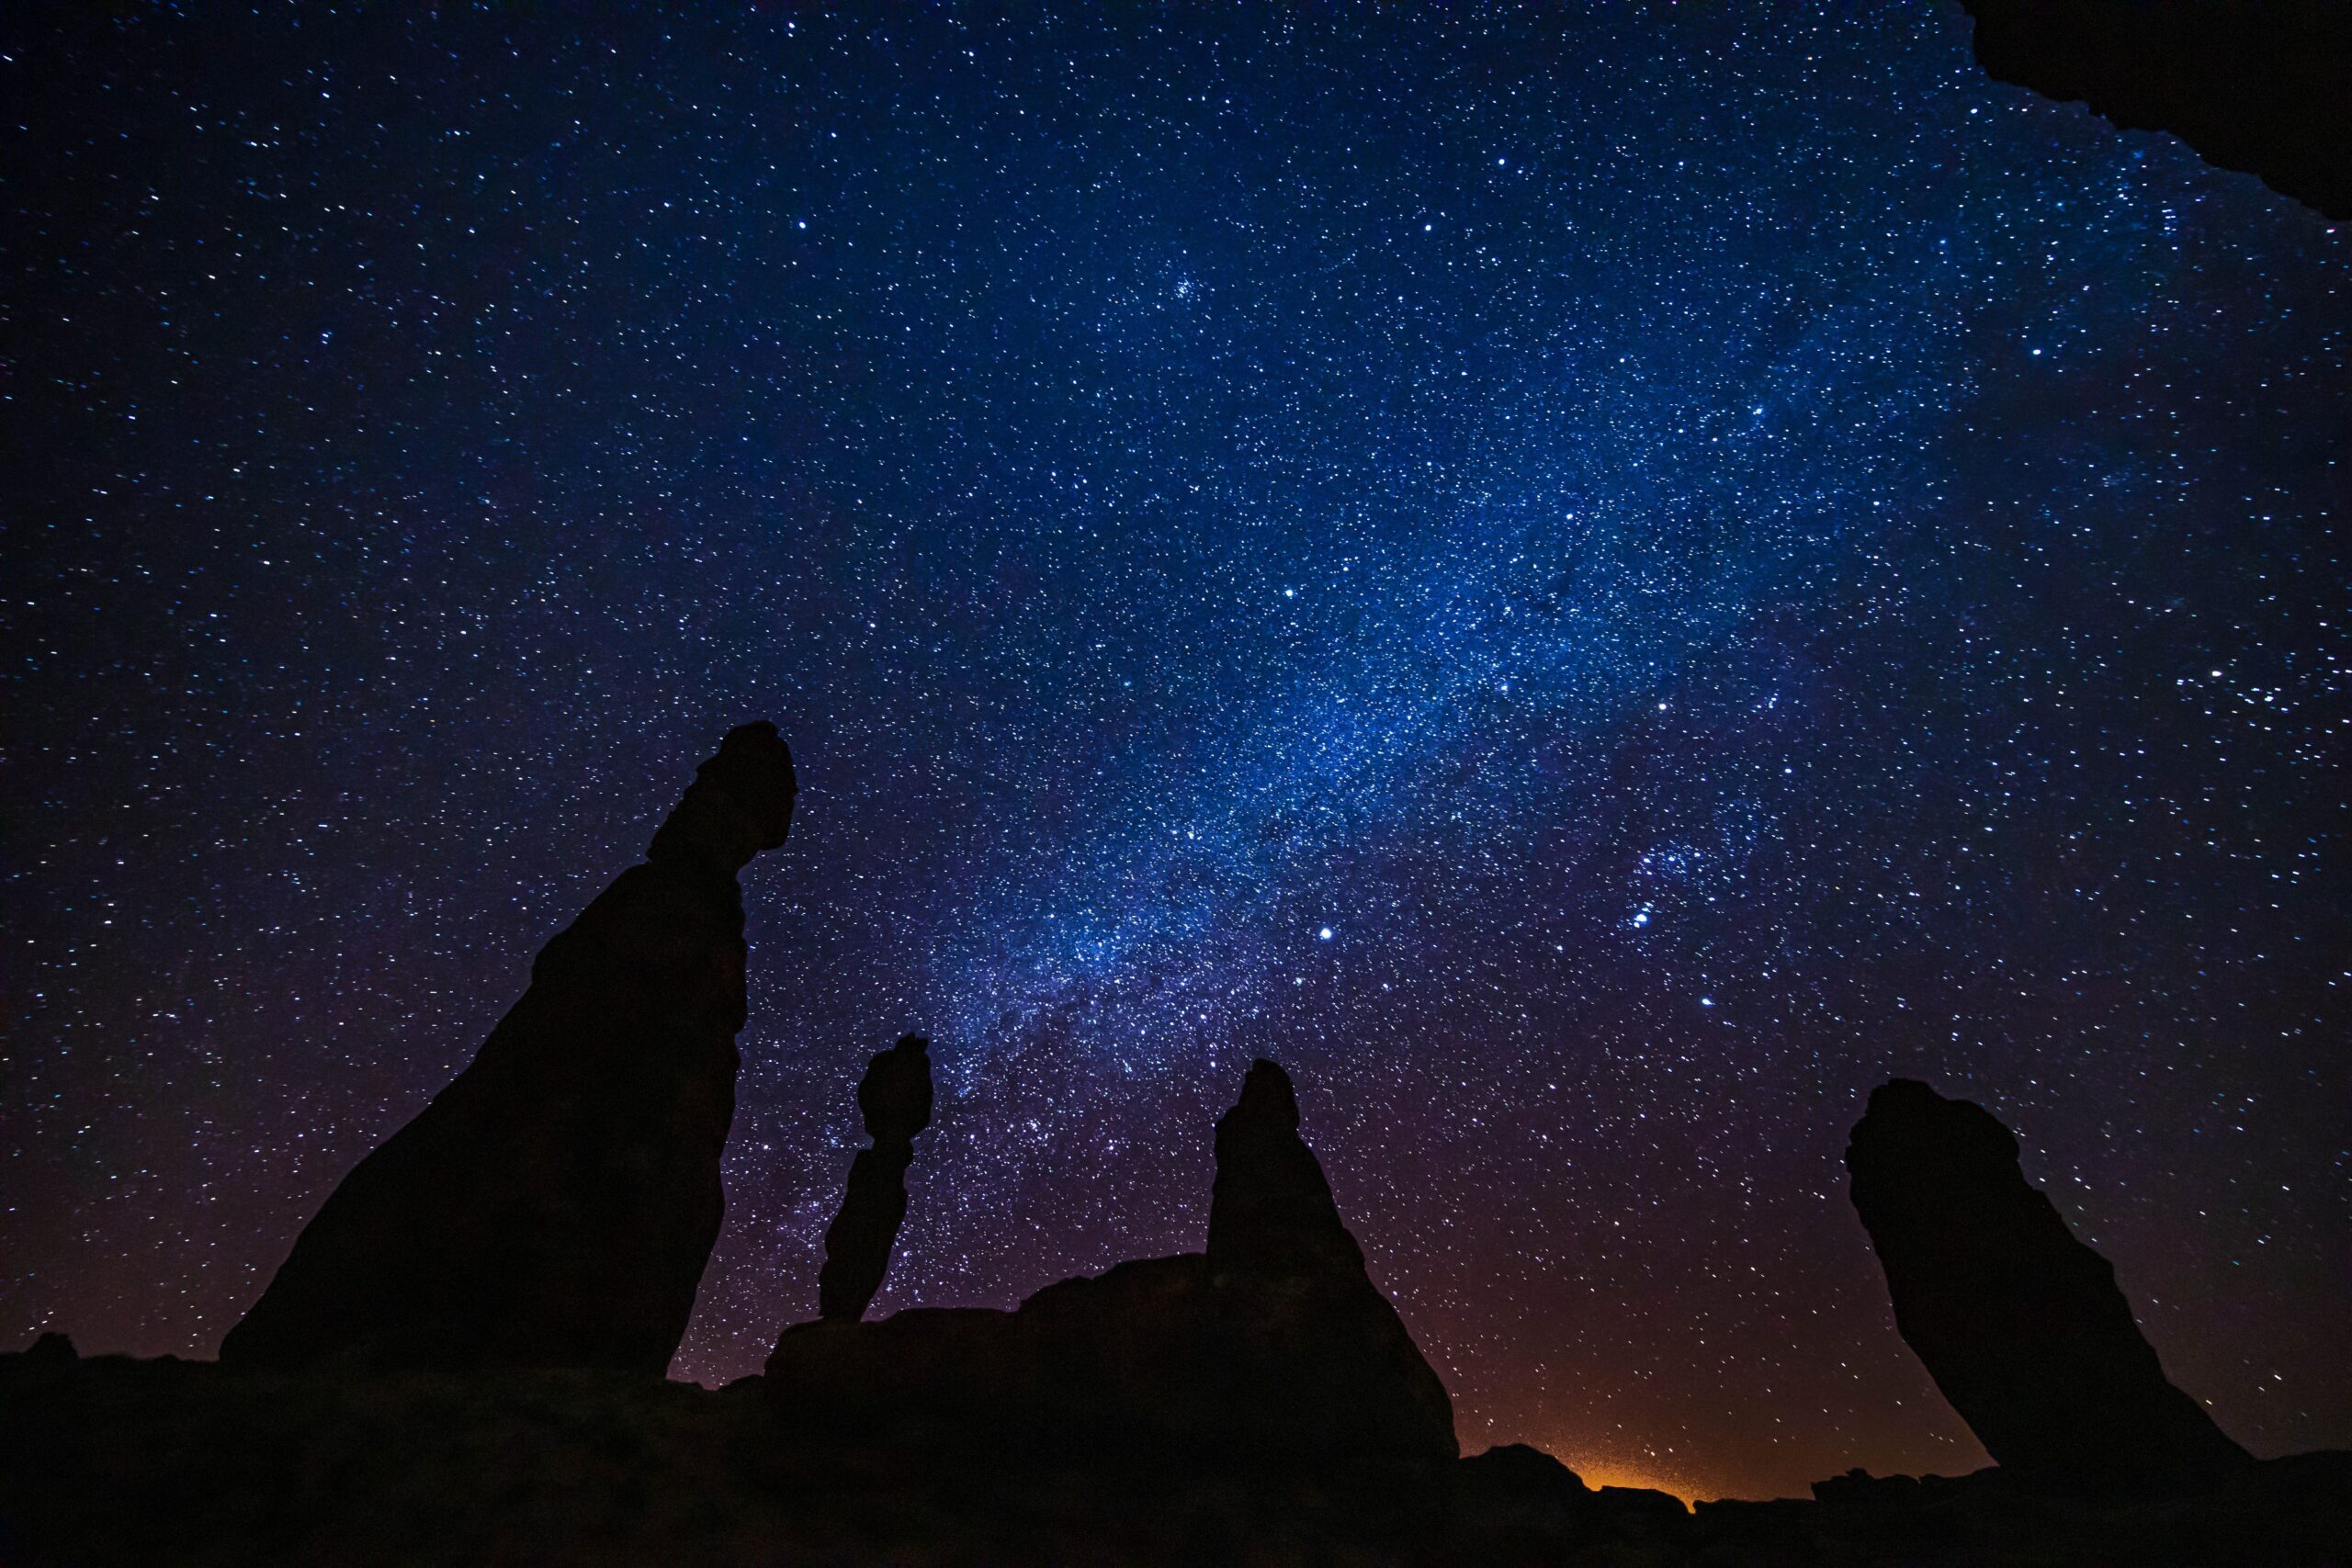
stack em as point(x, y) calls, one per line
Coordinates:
point(1595, 585)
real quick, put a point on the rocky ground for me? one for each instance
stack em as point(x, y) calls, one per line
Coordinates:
point(111, 1461)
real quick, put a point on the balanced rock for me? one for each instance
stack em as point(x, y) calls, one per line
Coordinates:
point(2021, 1324)
point(1273, 1344)
point(555, 1206)
point(895, 1099)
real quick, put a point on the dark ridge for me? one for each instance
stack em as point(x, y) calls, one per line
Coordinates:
point(2262, 87)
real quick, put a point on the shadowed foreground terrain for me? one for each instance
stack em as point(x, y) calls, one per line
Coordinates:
point(113, 1461)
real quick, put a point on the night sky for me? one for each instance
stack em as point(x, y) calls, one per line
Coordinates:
point(1595, 585)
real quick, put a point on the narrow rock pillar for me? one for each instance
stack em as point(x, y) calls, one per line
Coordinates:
point(894, 1098)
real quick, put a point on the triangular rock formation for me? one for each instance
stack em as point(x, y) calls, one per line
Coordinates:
point(556, 1203)
point(2021, 1324)
point(1275, 1343)
point(1271, 1210)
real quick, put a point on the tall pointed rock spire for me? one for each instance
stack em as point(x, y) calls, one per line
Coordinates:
point(1272, 1210)
point(556, 1203)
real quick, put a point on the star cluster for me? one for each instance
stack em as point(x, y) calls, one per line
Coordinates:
point(1595, 584)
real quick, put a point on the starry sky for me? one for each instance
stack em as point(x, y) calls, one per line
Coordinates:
point(1594, 582)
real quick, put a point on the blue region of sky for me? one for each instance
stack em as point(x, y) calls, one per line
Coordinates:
point(1595, 582)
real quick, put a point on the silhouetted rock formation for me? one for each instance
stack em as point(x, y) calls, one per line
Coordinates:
point(1515, 1504)
point(1258, 1403)
point(2265, 88)
point(1276, 1342)
point(1271, 1212)
point(52, 1351)
point(556, 1203)
point(894, 1098)
point(2021, 1324)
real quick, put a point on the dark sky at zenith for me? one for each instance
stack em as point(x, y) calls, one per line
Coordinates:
point(1596, 584)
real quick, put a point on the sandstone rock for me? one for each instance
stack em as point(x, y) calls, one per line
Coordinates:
point(2263, 88)
point(2021, 1324)
point(555, 1206)
point(1271, 1210)
point(1276, 1342)
point(895, 1097)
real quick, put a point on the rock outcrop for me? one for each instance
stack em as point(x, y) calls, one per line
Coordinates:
point(1274, 1343)
point(2263, 88)
point(1271, 1212)
point(895, 1099)
point(1519, 1505)
point(2021, 1324)
point(555, 1206)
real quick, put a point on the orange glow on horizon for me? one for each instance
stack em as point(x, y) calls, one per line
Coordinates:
point(1598, 1472)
